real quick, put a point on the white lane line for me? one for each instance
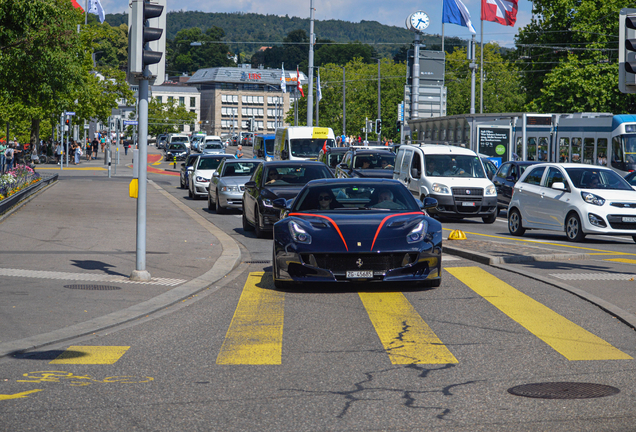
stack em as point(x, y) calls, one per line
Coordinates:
point(38, 274)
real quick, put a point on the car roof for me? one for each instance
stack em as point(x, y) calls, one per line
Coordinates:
point(337, 149)
point(440, 149)
point(573, 165)
point(243, 160)
point(370, 151)
point(216, 155)
point(359, 181)
point(294, 163)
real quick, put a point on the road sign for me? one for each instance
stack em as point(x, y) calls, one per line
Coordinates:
point(131, 122)
point(70, 113)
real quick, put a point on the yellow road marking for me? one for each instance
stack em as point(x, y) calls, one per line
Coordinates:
point(604, 252)
point(157, 163)
point(621, 260)
point(255, 336)
point(404, 334)
point(18, 395)
point(72, 169)
point(567, 338)
point(91, 355)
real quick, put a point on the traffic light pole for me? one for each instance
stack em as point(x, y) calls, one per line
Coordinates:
point(140, 273)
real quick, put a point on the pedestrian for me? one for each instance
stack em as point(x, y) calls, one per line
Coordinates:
point(95, 145)
point(9, 155)
point(103, 142)
point(78, 152)
point(239, 152)
point(126, 145)
point(3, 148)
point(89, 150)
point(58, 152)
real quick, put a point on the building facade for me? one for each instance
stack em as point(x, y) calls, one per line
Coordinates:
point(231, 96)
point(186, 96)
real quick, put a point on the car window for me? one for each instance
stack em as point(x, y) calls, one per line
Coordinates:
point(213, 145)
point(504, 170)
point(454, 166)
point(208, 163)
point(334, 159)
point(554, 175)
point(590, 178)
point(295, 175)
point(373, 161)
point(177, 147)
point(240, 169)
point(534, 176)
point(346, 197)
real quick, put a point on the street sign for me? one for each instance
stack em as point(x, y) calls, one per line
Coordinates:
point(70, 113)
point(131, 122)
point(86, 126)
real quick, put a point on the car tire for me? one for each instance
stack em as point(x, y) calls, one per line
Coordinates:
point(514, 223)
point(490, 218)
point(634, 238)
point(573, 229)
point(210, 206)
point(278, 284)
point(190, 194)
point(181, 183)
point(246, 224)
point(257, 223)
point(219, 208)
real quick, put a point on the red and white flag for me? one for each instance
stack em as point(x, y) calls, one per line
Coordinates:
point(503, 12)
point(300, 86)
point(76, 5)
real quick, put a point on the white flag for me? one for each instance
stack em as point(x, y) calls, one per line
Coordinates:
point(283, 84)
point(318, 89)
point(95, 7)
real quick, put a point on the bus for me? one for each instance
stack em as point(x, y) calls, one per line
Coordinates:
point(602, 139)
point(302, 142)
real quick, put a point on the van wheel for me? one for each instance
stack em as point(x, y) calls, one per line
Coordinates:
point(514, 223)
point(573, 228)
point(490, 218)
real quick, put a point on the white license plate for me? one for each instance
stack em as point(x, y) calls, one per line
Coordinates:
point(629, 219)
point(359, 274)
point(468, 204)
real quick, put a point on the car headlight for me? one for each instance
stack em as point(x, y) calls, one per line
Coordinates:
point(267, 202)
point(441, 188)
point(298, 233)
point(590, 198)
point(417, 233)
point(229, 189)
point(202, 179)
point(490, 191)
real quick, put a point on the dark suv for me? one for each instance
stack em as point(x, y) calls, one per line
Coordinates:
point(361, 162)
point(186, 168)
point(332, 156)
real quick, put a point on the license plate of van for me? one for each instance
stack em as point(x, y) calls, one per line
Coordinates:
point(468, 204)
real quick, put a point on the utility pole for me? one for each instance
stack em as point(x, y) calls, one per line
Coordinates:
point(344, 103)
point(310, 96)
point(415, 79)
point(472, 66)
point(379, 117)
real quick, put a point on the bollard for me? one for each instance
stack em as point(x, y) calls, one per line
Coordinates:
point(175, 162)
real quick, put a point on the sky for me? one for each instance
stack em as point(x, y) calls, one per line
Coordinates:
point(386, 12)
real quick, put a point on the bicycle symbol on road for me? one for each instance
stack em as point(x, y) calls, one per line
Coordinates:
point(79, 380)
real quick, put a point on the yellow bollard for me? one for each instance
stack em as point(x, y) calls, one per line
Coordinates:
point(457, 235)
point(175, 162)
point(133, 188)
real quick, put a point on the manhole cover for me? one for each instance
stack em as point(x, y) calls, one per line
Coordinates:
point(257, 262)
point(563, 390)
point(92, 287)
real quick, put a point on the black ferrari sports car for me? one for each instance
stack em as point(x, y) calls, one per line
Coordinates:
point(339, 230)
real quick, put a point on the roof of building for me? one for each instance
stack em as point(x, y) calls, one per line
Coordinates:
point(173, 89)
point(244, 75)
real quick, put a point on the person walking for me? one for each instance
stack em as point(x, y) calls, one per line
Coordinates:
point(58, 152)
point(89, 150)
point(9, 155)
point(239, 152)
point(126, 145)
point(95, 145)
point(78, 152)
point(3, 148)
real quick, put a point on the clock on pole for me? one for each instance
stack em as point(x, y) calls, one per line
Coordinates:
point(418, 21)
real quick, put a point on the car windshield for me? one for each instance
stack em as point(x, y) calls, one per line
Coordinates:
point(374, 161)
point(177, 147)
point(179, 139)
point(295, 175)
point(454, 166)
point(213, 145)
point(334, 159)
point(309, 147)
point(269, 146)
point(208, 163)
point(348, 196)
point(591, 178)
point(239, 169)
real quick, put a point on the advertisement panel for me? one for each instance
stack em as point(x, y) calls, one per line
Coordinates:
point(494, 142)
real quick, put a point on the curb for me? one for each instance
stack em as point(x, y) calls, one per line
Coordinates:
point(9, 208)
point(228, 261)
point(511, 259)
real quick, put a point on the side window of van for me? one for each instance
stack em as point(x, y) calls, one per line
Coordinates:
point(398, 162)
point(416, 165)
point(406, 162)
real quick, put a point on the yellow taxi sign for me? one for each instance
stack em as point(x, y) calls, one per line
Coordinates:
point(319, 132)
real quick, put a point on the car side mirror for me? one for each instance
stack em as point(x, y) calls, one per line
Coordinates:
point(559, 186)
point(250, 184)
point(259, 153)
point(429, 203)
point(183, 164)
point(344, 166)
point(190, 168)
point(216, 174)
point(280, 203)
point(284, 154)
point(415, 173)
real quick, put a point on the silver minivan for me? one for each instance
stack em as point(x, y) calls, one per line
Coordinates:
point(454, 176)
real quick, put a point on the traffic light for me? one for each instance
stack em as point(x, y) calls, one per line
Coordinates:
point(378, 126)
point(147, 40)
point(398, 126)
point(253, 125)
point(627, 51)
point(248, 124)
point(67, 122)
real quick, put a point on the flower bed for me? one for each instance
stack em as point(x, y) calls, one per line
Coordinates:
point(19, 178)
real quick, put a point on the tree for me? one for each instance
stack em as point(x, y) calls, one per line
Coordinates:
point(205, 52)
point(167, 117)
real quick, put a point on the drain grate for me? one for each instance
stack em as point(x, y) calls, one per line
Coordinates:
point(563, 390)
point(93, 287)
point(257, 262)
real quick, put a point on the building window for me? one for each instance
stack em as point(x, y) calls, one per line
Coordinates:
point(193, 102)
point(159, 99)
point(170, 100)
point(181, 100)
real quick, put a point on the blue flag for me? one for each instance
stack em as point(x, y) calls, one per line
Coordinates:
point(455, 12)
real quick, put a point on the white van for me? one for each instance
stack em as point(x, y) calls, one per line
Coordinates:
point(179, 138)
point(302, 142)
point(454, 176)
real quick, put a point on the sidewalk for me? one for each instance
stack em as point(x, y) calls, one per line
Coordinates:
point(68, 252)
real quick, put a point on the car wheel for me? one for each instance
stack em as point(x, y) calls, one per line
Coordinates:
point(514, 223)
point(573, 228)
point(210, 206)
point(219, 208)
point(190, 194)
point(246, 224)
point(490, 218)
point(279, 284)
point(181, 183)
point(634, 238)
point(257, 223)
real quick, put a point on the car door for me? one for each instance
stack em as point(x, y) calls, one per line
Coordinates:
point(529, 196)
point(250, 195)
point(214, 181)
point(555, 202)
point(499, 180)
point(415, 173)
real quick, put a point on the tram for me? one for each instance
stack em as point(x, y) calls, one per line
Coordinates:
point(602, 139)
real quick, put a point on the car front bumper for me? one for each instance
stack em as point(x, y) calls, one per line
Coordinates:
point(201, 189)
point(231, 199)
point(463, 207)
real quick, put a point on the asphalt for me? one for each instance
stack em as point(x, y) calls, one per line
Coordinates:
point(67, 253)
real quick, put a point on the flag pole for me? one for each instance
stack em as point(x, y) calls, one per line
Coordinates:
point(86, 14)
point(443, 39)
point(481, 71)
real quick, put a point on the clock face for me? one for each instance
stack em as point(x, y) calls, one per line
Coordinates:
point(419, 20)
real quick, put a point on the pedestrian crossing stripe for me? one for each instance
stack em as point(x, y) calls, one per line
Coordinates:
point(92, 355)
point(255, 335)
point(567, 338)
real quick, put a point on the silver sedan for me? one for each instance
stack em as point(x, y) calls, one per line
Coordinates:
point(227, 184)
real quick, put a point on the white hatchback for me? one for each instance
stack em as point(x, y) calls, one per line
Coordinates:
point(574, 198)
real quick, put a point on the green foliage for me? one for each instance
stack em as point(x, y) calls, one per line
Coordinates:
point(183, 57)
point(361, 97)
point(502, 89)
point(167, 117)
point(112, 46)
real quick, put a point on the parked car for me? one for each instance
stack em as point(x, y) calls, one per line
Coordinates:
point(276, 179)
point(505, 179)
point(489, 166)
point(212, 145)
point(228, 183)
point(362, 162)
point(202, 170)
point(162, 140)
point(177, 150)
point(352, 230)
point(332, 156)
point(574, 198)
point(186, 168)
